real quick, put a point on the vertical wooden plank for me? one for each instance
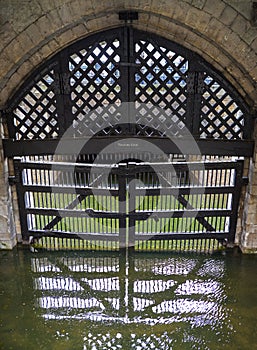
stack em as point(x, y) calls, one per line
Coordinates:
point(235, 201)
point(18, 171)
point(122, 182)
point(131, 208)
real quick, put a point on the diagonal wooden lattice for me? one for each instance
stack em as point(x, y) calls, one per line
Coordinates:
point(95, 83)
point(220, 116)
point(85, 85)
point(35, 115)
point(160, 89)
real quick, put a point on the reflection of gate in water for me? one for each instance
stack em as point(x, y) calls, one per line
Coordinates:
point(124, 300)
point(148, 206)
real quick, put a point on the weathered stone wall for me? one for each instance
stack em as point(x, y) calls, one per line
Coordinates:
point(8, 231)
point(248, 240)
point(222, 31)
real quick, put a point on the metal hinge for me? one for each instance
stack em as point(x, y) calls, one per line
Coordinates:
point(13, 180)
point(245, 180)
point(3, 115)
point(128, 16)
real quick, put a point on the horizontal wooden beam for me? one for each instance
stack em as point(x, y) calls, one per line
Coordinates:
point(128, 145)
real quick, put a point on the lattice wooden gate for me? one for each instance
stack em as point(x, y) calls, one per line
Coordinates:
point(80, 91)
point(124, 84)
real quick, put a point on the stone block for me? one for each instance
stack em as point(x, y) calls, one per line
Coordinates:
point(24, 14)
point(34, 34)
point(215, 8)
point(250, 35)
point(243, 7)
point(252, 209)
point(213, 29)
point(100, 23)
point(3, 208)
point(4, 93)
point(79, 31)
point(228, 15)
point(198, 3)
point(7, 244)
point(253, 74)
point(53, 45)
point(25, 42)
point(240, 25)
point(251, 219)
point(180, 11)
point(253, 176)
point(24, 70)
point(65, 14)
point(222, 35)
point(247, 91)
point(254, 44)
point(46, 25)
point(6, 65)
point(253, 189)
point(236, 47)
point(81, 8)
point(45, 51)
point(36, 59)
point(197, 19)
point(180, 34)
point(64, 38)
point(47, 5)
point(165, 7)
point(55, 19)
point(193, 39)
point(250, 63)
point(7, 34)
point(249, 242)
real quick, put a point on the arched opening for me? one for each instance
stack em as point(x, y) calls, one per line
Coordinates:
point(109, 97)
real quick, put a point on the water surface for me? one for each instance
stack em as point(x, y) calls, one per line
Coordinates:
point(67, 300)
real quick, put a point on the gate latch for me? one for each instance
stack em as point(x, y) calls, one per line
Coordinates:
point(106, 214)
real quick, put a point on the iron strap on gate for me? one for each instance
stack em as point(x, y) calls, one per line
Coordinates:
point(129, 205)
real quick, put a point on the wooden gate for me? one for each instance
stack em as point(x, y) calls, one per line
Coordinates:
point(109, 87)
point(142, 206)
point(80, 92)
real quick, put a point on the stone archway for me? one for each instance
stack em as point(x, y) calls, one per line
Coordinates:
point(221, 33)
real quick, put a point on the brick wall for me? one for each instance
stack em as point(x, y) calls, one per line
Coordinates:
point(221, 31)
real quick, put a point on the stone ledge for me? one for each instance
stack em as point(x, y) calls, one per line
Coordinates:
point(248, 244)
point(7, 244)
point(248, 250)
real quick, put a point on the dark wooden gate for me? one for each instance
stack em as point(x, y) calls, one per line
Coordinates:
point(80, 93)
point(144, 206)
point(109, 87)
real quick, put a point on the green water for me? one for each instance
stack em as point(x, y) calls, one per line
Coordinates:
point(65, 300)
